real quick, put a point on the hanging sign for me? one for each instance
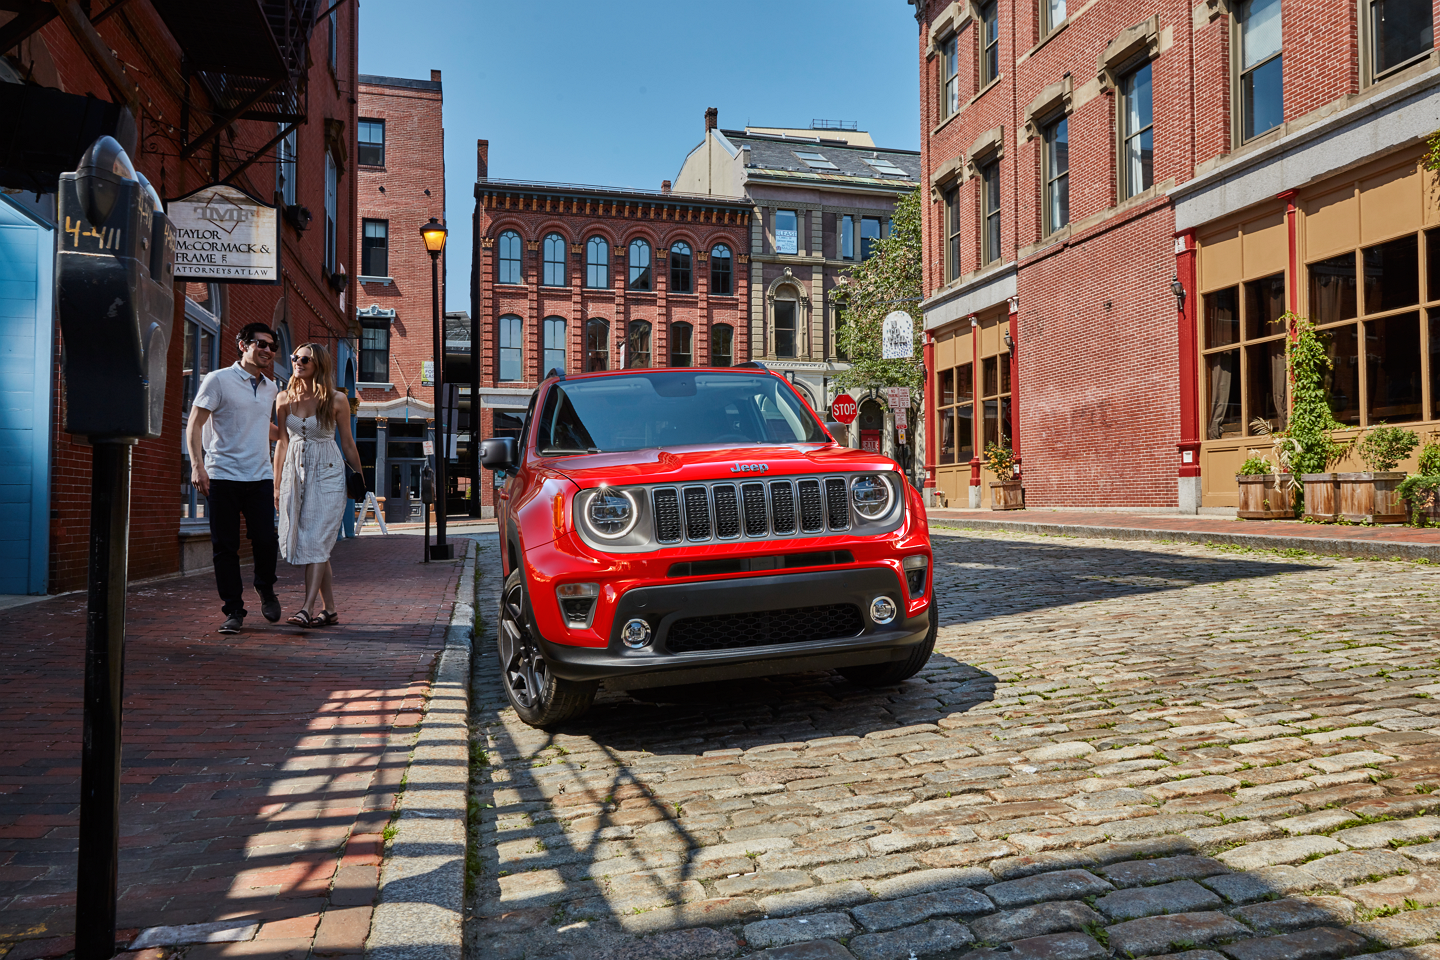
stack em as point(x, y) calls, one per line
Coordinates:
point(224, 234)
point(898, 336)
point(843, 409)
point(427, 373)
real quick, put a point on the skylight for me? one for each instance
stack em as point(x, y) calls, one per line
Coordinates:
point(885, 168)
point(816, 161)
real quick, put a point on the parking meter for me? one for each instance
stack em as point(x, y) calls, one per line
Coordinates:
point(427, 484)
point(115, 296)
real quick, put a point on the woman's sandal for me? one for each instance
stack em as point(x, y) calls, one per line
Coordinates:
point(304, 620)
point(328, 618)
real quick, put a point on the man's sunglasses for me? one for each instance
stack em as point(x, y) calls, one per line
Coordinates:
point(264, 344)
point(299, 360)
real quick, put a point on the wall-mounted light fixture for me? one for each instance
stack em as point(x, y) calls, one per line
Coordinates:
point(1009, 343)
point(1178, 288)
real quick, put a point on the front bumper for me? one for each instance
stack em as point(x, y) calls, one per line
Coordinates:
point(662, 605)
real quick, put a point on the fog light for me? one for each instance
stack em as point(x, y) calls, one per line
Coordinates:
point(915, 567)
point(635, 634)
point(882, 610)
point(577, 602)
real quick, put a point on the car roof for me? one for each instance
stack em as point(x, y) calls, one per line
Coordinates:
point(631, 371)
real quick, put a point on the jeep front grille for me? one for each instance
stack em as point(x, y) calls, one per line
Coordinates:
point(727, 511)
point(729, 631)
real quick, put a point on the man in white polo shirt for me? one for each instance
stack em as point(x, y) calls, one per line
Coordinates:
point(229, 442)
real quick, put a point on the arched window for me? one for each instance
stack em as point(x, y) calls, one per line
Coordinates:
point(722, 345)
point(512, 349)
point(597, 262)
point(597, 344)
point(682, 345)
point(507, 266)
point(554, 275)
point(554, 346)
point(639, 265)
point(784, 313)
point(720, 282)
point(679, 267)
point(637, 351)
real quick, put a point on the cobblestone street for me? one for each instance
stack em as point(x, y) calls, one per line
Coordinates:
point(1117, 749)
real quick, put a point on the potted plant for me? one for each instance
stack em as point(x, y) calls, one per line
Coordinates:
point(1006, 491)
point(1312, 425)
point(1265, 493)
point(1422, 490)
point(1373, 496)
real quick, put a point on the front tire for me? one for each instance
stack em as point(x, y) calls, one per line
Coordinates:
point(538, 696)
point(896, 671)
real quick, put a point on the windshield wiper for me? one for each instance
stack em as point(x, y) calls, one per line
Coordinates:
point(558, 451)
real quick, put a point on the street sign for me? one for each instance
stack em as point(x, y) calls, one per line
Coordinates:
point(222, 233)
point(898, 336)
point(902, 418)
point(843, 409)
point(427, 447)
point(427, 373)
point(898, 398)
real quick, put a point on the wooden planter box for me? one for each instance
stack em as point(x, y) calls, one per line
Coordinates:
point(1322, 496)
point(1429, 516)
point(1371, 497)
point(1265, 496)
point(1007, 495)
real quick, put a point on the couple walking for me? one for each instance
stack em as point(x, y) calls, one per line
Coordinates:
point(229, 442)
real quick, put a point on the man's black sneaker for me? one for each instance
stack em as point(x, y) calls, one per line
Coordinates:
point(232, 624)
point(270, 605)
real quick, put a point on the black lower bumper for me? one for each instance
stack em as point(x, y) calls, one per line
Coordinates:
point(664, 605)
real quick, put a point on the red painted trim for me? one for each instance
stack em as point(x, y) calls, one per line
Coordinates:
point(1289, 197)
point(1189, 356)
point(976, 418)
point(1014, 324)
point(931, 413)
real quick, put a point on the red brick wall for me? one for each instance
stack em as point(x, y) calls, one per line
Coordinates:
point(140, 38)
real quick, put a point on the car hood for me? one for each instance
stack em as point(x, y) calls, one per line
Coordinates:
point(685, 464)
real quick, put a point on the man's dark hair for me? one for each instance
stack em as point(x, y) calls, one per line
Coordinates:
point(248, 332)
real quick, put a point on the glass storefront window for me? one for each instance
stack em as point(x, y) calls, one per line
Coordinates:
point(1244, 374)
point(956, 399)
point(1222, 383)
point(1332, 289)
point(1392, 275)
point(1392, 369)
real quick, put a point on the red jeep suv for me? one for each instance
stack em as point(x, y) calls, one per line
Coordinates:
point(667, 527)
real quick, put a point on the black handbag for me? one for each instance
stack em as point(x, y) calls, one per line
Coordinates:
point(354, 484)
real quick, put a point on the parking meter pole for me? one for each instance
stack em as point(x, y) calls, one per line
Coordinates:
point(426, 542)
point(95, 889)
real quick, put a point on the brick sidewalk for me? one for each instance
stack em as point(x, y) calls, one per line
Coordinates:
point(259, 769)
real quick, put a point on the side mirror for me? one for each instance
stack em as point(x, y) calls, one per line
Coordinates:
point(837, 430)
point(498, 453)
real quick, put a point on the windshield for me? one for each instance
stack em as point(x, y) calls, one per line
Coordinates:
point(672, 409)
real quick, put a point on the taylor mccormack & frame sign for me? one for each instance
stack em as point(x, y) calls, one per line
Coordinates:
point(224, 234)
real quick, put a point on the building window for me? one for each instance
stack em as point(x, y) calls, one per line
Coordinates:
point(1401, 31)
point(1137, 136)
point(637, 350)
point(679, 267)
point(787, 232)
point(840, 321)
point(554, 266)
point(1057, 174)
point(597, 263)
point(1262, 100)
point(949, 77)
point(995, 399)
point(331, 215)
point(512, 349)
point(370, 150)
point(952, 233)
point(1054, 13)
point(597, 345)
point(639, 265)
point(1244, 349)
point(375, 351)
point(869, 235)
point(682, 345)
point(202, 355)
point(721, 276)
point(990, 212)
point(333, 30)
point(847, 237)
point(554, 333)
point(285, 167)
point(989, 42)
point(955, 399)
point(375, 248)
point(722, 345)
point(785, 328)
point(508, 264)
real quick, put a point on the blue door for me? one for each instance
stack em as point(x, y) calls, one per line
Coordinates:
point(27, 264)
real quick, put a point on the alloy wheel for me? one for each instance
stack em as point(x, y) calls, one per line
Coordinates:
point(520, 661)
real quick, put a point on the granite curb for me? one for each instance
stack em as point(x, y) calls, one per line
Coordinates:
point(1324, 546)
point(420, 909)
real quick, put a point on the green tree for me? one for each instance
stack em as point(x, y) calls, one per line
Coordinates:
point(889, 280)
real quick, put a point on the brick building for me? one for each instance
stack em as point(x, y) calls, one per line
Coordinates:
point(401, 162)
point(821, 196)
point(580, 278)
point(163, 81)
point(1124, 201)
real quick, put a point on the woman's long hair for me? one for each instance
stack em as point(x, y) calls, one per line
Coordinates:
point(321, 386)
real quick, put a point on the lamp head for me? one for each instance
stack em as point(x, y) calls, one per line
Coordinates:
point(1178, 288)
point(434, 233)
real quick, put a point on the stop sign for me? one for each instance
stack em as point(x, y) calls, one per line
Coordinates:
point(843, 408)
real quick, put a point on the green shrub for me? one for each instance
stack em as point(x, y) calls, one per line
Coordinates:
point(1255, 464)
point(1384, 447)
point(1420, 490)
point(1311, 422)
point(1000, 459)
point(1430, 459)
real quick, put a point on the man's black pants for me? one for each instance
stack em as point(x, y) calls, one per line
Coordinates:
point(227, 501)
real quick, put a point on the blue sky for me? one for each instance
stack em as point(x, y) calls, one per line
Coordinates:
point(615, 93)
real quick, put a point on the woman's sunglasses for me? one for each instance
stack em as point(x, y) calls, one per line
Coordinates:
point(301, 361)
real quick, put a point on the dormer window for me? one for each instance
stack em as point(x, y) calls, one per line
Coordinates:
point(816, 161)
point(885, 168)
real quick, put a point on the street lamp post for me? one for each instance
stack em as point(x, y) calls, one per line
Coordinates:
point(434, 233)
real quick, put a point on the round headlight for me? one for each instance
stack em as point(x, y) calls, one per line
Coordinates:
point(611, 513)
point(871, 496)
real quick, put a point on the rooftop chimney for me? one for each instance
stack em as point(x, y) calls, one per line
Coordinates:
point(435, 76)
point(712, 118)
point(664, 186)
point(482, 159)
